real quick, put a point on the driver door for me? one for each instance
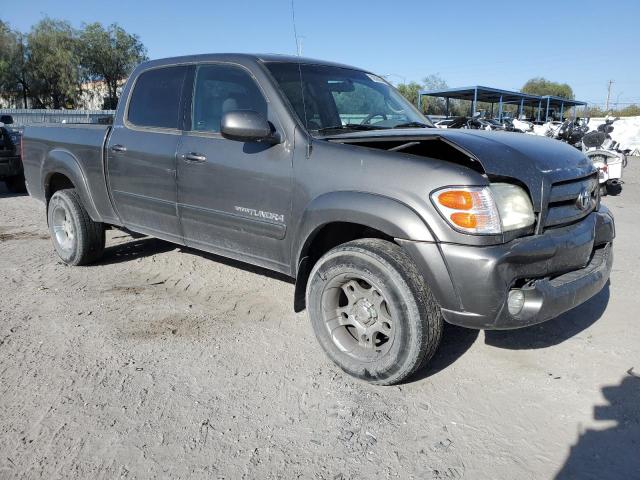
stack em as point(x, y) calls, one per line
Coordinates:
point(234, 198)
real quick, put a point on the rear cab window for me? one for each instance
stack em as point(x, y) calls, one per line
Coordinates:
point(156, 98)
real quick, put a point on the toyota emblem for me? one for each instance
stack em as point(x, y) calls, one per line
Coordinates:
point(584, 199)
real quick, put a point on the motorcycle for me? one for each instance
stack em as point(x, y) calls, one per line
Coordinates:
point(572, 132)
point(603, 151)
point(523, 125)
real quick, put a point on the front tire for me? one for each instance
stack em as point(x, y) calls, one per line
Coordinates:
point(78, 240)
point(372, 312)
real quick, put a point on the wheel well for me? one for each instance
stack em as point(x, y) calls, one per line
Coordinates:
point(320, 242)
point(57, 181)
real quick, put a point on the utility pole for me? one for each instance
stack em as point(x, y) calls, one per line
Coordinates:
point(608, 94)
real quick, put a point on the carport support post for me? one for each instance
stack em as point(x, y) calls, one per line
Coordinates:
point(419, 101)
point(539, 109)
point(447, 108)
point(546, 115)
point(561, 110)
point(475, 102)
point(521, 108)
point(500, 109)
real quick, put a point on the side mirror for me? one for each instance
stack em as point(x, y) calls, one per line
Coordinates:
point(247, 126)
point(6, 119)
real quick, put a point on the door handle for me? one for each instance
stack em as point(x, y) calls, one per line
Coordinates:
point(118, 148)
point(193, 157)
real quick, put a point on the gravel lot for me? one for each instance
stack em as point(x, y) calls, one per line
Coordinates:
point(162, 362)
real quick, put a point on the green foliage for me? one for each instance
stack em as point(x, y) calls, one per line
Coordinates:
point(6, 41)
point(433, 105)
point(434, 82)
point(430, 105)
point(14, 78)
point(628, 111)
point(49, 64)
point(109, 55)
point(542, 86)
point(54, 64)
point(410, 91)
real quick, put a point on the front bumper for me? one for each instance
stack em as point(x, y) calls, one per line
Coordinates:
point(10, 167)
point(556, 271)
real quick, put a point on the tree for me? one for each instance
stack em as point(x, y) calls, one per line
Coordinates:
point(6, 41)
point(53, 63)
point(434, 82)
point(109, 55)
point(542, 86)
point(410, 91)
point(14, 78)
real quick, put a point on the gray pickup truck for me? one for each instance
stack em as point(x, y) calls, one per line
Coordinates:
point(325, 173)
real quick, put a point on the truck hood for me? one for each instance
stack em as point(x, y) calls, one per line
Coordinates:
point(535, 161)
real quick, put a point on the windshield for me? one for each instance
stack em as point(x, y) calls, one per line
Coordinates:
point(338, 100)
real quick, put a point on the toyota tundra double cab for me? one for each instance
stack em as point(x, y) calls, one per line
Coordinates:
point(325, 173)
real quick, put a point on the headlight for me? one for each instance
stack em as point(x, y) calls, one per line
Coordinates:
point(468, 209)
point(502, 207)
point(514, 206)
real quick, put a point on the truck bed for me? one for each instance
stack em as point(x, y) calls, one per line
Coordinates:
point(64, 148)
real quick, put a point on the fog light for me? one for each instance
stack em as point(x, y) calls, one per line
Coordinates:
point(515, 302)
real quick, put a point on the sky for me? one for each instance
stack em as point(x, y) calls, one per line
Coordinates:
point(493, 43)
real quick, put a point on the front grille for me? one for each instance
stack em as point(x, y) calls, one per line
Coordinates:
point(572, 200)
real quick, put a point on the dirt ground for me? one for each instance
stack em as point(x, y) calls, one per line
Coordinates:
point(162, 362)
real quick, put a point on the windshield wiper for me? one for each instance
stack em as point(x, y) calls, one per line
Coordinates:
point(412, 125)
point(350, 126)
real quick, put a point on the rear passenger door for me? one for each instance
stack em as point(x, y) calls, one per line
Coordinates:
point(141, 154)
point(234, 198)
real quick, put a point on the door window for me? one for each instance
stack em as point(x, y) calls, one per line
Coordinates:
point(155, 101)
point(220, 89)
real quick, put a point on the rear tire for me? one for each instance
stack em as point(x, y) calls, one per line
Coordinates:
point(372, 312)
point(613, 189)
point(78, 240)
point(16, 184)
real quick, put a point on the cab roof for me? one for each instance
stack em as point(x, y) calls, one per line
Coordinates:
point(243, 59)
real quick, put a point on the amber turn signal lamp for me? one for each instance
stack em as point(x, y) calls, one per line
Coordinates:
point(456, 199)
point(465, 220)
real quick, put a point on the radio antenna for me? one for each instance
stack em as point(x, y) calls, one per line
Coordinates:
point(295, 30)
point(298, 53)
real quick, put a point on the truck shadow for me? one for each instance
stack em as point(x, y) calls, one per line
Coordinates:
point(137, 248)
point(610, 452)
point(247, 267)
point(455, 342)
point(552, 332)
point(149, 246)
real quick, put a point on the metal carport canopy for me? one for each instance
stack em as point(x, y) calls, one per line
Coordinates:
point(559, 101)
point(479, 93)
